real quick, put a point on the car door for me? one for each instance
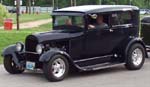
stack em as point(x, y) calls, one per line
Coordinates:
point(103, 42)
point(98, 46)
point(120, 30)
point(94, 45)
point(92, 40)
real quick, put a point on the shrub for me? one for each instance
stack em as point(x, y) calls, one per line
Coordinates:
point(3, 13)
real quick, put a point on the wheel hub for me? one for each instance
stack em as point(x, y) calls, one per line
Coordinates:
point(137, 56)
point(58, 67)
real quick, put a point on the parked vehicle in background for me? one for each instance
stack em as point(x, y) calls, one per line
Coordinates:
point(145, 19)
point(12, 10)
point(85, 38)
point(145, 31)
point(144, 11)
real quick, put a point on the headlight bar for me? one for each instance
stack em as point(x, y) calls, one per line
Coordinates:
point(19, 46)
point(39, 48)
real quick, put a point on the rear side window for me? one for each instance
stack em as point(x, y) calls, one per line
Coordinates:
point(121, 18)
point(125, 18)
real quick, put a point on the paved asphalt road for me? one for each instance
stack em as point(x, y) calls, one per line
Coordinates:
point(111, 77)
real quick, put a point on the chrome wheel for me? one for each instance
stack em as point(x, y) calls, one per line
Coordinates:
point(58, 68)
point(137, 56)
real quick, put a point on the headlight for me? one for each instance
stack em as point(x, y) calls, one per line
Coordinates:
point(19, 47)
point(39, 48)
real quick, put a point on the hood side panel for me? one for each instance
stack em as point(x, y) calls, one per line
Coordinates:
point(50, 36)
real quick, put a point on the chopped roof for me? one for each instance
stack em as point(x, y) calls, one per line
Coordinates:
point(97, 8)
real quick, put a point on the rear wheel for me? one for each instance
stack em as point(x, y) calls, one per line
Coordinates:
point(11, 67)
point(56, 69)
point(135, 57)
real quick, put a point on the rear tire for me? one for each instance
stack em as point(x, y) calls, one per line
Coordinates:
point(135, 57)
point(56, 69)
point(10, 66)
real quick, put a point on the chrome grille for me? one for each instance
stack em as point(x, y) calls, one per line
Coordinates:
point(31, 43)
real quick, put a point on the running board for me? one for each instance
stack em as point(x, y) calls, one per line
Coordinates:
point(148, 48)
point(99, 66)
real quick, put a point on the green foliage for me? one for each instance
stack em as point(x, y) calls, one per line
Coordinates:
point(3, 13)
point(65, 3)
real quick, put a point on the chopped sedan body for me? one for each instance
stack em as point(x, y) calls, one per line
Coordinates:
point(84, 38)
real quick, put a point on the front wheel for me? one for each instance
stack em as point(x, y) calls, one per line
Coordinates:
point(135, 57)
point(11, 67)
point(56, 69)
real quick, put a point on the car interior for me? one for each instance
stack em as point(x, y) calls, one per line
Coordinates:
point(93, 17)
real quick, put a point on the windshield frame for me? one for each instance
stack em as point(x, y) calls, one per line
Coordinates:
point(68, 14)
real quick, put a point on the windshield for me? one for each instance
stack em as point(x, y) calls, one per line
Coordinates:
point(63, 22)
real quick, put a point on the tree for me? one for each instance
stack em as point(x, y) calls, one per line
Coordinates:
point(66, 3)
point(28, 6)
point(147, 2)
point(3, 13)
point(29, 3)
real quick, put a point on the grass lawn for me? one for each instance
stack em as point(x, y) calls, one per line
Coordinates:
point(11, 37)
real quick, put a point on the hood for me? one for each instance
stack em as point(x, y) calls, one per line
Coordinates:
point(56, 35)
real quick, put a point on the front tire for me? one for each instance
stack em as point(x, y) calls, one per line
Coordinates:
point(56, 69)
point(11, 67)
point(135, 57)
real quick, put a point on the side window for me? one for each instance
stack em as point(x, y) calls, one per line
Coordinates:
point(125, 18)
point(121, 18)
point(98, 21)
point(114, 19)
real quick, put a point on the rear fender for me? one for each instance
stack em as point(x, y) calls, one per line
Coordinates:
point(133, 41)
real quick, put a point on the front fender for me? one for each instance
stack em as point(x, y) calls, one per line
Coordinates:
point(9, 50)
point(49, 54)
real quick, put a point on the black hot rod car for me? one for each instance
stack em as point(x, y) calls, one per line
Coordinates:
point(85, 38)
